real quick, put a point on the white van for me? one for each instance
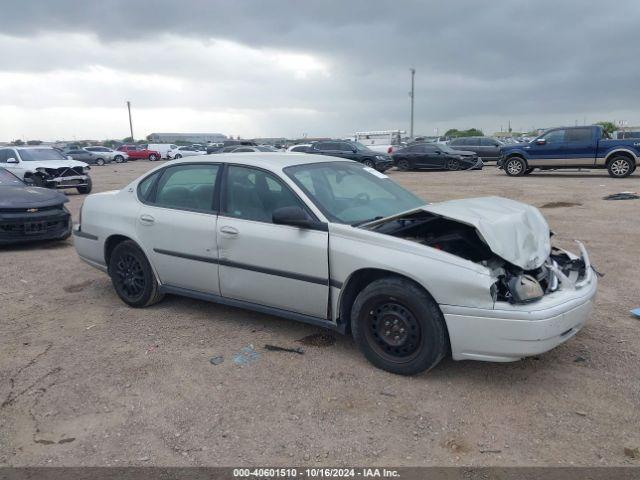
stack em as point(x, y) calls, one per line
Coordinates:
point(163, 148)
point(380, 140)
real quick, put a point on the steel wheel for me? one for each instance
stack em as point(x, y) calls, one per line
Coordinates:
point(393, 331)
point(118, 158)
point(129, 276)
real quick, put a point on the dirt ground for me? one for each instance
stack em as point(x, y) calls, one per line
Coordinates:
point(85, 380)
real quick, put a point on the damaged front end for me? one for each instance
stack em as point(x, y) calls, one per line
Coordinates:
point(510, 239)
point(65, 177)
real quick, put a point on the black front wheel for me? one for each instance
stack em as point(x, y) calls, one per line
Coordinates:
point(132, 276)
point(403, 165)
point(86, 188)
point(368, 163)
point(453, 164)
point(398, 326)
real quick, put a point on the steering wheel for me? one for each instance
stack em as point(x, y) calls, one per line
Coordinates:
point(362, 198)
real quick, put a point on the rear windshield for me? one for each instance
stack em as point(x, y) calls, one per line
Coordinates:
point(40, 154)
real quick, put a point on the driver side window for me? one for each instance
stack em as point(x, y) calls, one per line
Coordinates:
point(253, 194)
point(555, 136)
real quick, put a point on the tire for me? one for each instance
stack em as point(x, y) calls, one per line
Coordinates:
point(453, 164)
point(620, 166)
point(177, 156)
point(515, 166)
point(528, 171)
point(368, 163)
point(132, 276)
point(38, 181)
point(403, 165)
point(153, 157)
point(118, 159)
point(418, 338)
point(100, 162)
point(86, 189)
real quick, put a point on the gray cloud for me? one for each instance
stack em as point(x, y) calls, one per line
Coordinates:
point(478, 63)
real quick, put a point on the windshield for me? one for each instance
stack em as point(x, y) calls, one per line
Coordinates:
point(40, 154)
point(266, 149)
point(8, 179)
point(350, 193)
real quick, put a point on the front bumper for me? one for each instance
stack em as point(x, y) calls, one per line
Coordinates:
point(67, 182)
point(383, 165)
point(513, 331)
point(44, 225)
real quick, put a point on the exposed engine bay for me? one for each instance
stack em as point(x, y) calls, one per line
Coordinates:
point(514, 284)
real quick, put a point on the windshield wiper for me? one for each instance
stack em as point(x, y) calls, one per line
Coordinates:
point(362, 222)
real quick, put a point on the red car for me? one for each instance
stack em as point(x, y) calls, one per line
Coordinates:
point(137, 152)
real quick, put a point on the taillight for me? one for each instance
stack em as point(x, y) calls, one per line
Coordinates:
point(390, 150)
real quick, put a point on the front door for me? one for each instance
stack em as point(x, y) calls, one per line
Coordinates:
point(176, 225)
point(549, 153)
point(263, 263)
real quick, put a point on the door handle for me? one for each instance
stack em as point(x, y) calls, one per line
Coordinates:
point(229, 230)
point(147, 219)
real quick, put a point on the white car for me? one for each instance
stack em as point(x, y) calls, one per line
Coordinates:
point(299, 148)
point(46, 167)
point(188, 151)
point(341, 246)
point(108, 154)
point(163, 148)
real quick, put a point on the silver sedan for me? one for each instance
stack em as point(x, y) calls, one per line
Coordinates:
point(341, 246)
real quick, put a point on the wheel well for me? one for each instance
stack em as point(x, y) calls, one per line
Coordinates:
point(612, 155)
point(516, 155)
point(112, 242)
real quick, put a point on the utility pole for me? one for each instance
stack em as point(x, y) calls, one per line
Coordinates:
point(130, 122)
point(412, 95)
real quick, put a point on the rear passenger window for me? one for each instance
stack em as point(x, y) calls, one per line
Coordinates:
point(578, 135)
point(187, 187)
point(144, 187)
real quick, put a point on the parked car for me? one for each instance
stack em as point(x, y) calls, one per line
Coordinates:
point(187, 151)
point(138, 152)
point(86, 156)
point(108, 153)
point(488, 148)
point(214, 147)
point(30, 213)
point(259, 148)
point(338, 245)
point(300, 148)
point(46, 167)
point(353, 151)
point(572, 147)
point(435, 156)
point(162, 148)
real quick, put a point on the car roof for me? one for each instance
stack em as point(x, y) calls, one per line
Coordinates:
point(29, 147)
point(274, 161)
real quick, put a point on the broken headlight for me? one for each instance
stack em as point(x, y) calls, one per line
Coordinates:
point(524, 288)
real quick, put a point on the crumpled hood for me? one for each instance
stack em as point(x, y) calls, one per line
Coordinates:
point(515, 231)
point(29, 197)
point(31, 166)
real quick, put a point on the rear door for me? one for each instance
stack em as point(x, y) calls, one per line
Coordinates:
point(580, 147)
point(430, 157)
point(278, 266)
point(177, 225)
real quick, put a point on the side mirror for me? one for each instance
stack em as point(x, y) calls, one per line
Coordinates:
point(297, 217)
point(354, 150)
point(541, 141)
point(294, 216)
point(12, 160)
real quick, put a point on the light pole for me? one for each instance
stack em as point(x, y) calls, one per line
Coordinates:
point(412, 95)
point(130, 122)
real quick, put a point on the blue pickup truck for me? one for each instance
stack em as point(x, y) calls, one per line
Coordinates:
point(572, 147)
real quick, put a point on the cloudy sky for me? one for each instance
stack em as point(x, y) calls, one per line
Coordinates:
point(324, 68)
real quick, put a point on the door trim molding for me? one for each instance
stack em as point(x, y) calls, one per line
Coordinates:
point(253, 268)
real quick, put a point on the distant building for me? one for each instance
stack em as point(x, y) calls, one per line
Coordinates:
point(186, 137)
